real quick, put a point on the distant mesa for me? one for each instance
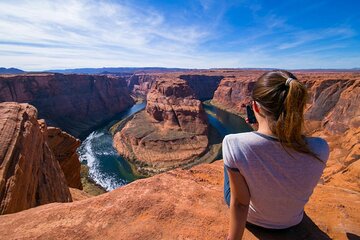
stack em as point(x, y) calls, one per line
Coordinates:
point(115, 70)
point(10, 71)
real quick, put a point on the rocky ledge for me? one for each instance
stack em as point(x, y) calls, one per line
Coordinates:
point(171, 132)
point(180, 204)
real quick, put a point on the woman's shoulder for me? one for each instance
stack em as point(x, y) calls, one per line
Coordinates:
point(239, 136)
point(319, 146)
point(242, 139)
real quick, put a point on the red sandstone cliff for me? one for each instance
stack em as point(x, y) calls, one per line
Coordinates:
point(334, 113)
point(170, 133)
point(64, 146)
point(75, 103)
point(29, 173)
point(203, 85)
point(235, 90)
point(173, 103)
point(140, 84)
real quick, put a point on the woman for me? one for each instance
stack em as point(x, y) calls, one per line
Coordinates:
point(271, 173)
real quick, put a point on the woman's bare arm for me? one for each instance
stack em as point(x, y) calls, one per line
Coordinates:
point(239, 204)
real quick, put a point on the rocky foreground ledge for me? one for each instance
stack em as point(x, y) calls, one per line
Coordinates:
point(180, 204)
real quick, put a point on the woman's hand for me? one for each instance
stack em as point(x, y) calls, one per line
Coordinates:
point(255, 126)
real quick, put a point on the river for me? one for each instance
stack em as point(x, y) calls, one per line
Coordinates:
point(111, 171)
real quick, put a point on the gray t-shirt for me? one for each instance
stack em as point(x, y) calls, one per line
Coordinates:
point(280, 185)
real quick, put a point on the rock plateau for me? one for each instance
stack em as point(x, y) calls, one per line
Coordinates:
point(171, 132)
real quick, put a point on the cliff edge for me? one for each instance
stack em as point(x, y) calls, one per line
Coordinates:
point(180, 204)
point(29, 173)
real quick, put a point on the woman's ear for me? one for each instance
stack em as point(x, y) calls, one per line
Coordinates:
point(256, 107)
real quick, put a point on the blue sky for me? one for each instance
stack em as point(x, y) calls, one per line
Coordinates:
point(39, 35)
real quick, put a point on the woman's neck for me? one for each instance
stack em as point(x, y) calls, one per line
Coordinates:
point(266, 131)
point(263, 123)
point(264, 128)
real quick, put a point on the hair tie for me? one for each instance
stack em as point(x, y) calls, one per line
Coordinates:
point(287, 83)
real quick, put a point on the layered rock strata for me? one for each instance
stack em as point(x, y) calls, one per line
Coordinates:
point(75, 103)
point(172, 102)
point(178, 204)
point(203, 85)
point(140, 84)
point(64, 146)
point(171, 132)
point(29, 173)
point(334, 113)
point(234, 91)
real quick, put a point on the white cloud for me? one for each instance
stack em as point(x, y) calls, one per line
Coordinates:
point(85, 30)
point(299, 38)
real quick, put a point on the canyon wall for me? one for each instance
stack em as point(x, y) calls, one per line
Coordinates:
point(234, 91)
point(333, 113)
point(75, 103)
point(171, 132)
point(29, 173)
point(140, 84)
point(64, 147)
point(203, 85)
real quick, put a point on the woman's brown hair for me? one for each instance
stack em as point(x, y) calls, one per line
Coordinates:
point(282, 98)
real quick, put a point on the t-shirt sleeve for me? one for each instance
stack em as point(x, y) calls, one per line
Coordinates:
point(324, 151)
point(227, 153)
point(320, 147)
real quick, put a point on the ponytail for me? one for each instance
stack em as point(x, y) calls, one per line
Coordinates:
point(283, 99)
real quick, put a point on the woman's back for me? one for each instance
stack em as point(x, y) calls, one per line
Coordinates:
point(280, 184)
